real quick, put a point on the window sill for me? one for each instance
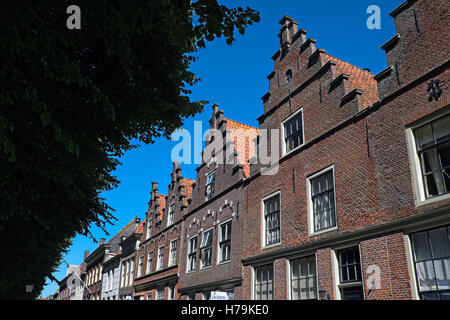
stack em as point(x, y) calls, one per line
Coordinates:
point(270, 246)
point(349, 284)
point(205, 268)
point(431, 200)
point(223, 262)
point(317, 233)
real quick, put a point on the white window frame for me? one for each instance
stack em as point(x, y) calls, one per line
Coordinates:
point(283, 140)
point(160, 291)
point(141, 266)
point(189, 252)
point(262, 264)
point(212, 246)
point(416, 170)
point(173, 255)
point(219, 236)
point(159, 263)
point(148, 269)
point(170, 214)
point(263, 220)
point(336, 273)
point(206, 185)
point(289, 272)
point(310, 207)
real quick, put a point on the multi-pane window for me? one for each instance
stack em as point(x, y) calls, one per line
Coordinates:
point(149, 262)
point(206, 248)
point(173, 252)
point(132, 271)
point(264, 282)
point(127, 282)
point(149, 296)
point(433, 148)
point(141, 265)
point(171, 292)
point(322, 199)
point(192, 254)
point(272, 220)
point(293, 132)
point(225, 242)
point(350, 273)
point(432, 263)
point(170, 214)
point(124, 272)
point(149, 227)
point(160, 294)
point(160, 261)
point(303, 278)
point(210, 184)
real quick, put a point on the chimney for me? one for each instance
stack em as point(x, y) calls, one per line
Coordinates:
point(216, 118)
point(102, 241)
point(86, 254)
point(289, 28)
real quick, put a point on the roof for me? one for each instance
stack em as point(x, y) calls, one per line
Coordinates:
point(188, 187)
point(140, 227)
point(243, 142)
point(359, 79)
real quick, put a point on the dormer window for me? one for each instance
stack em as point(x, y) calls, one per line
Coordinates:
point(210, 184)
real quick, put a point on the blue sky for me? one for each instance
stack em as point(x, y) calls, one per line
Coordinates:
point(235, 78)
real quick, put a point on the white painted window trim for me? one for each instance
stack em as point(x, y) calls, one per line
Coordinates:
point(416, 170)
point(188, 253)
point(337, 279)
point(218, 241)
point(172, 263)
point(212, 247)
point(411, 266)
point(263, 221)
point(169, 220)
point(310, 207)
point(282, 135)
point(289, 277)
point(159, 263)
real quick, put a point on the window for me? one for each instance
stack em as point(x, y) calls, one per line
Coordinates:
point(293, 132)
point(192, 255)
point(124, 272)
point(149, 262)
point(173, 252)
point(322, 201)
point(206, 248)
point(210, 183)
point(149, 227)
point(110, 279)
point(303, 278)
point(433, 150)
point(264, 282)
point(170, 215)
point(127, 282)
point(130, 280)
point(191, 296)
point(207, 295)
point(225, 242)
point(141, 265)
point(431, 250)
point(272, 220)
point(160, 261)
point(171, 292)
point(160, 294)
point(149, 296)
point(350, 274)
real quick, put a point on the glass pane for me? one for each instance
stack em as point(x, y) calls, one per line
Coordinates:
point(312, 288)
point(303, 289)
point(295, 290)
point(270, 291)
point(425, 276)
point(421, 246)
point(430, 296)
point(430, 161)
point(303, 268)
point(442, 128)
point(442, 269)
point(424, 136)
point(445, 295)
point(440, 245)
point(433, 184)
point(312, 267)
point(444, 154)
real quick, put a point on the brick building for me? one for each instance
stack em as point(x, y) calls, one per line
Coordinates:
point(212, 237)
point(359, 208)
point(159, 252)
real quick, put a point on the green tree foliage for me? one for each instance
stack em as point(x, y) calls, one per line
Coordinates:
point(72, 100)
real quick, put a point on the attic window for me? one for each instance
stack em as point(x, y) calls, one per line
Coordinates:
point(288, 79)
